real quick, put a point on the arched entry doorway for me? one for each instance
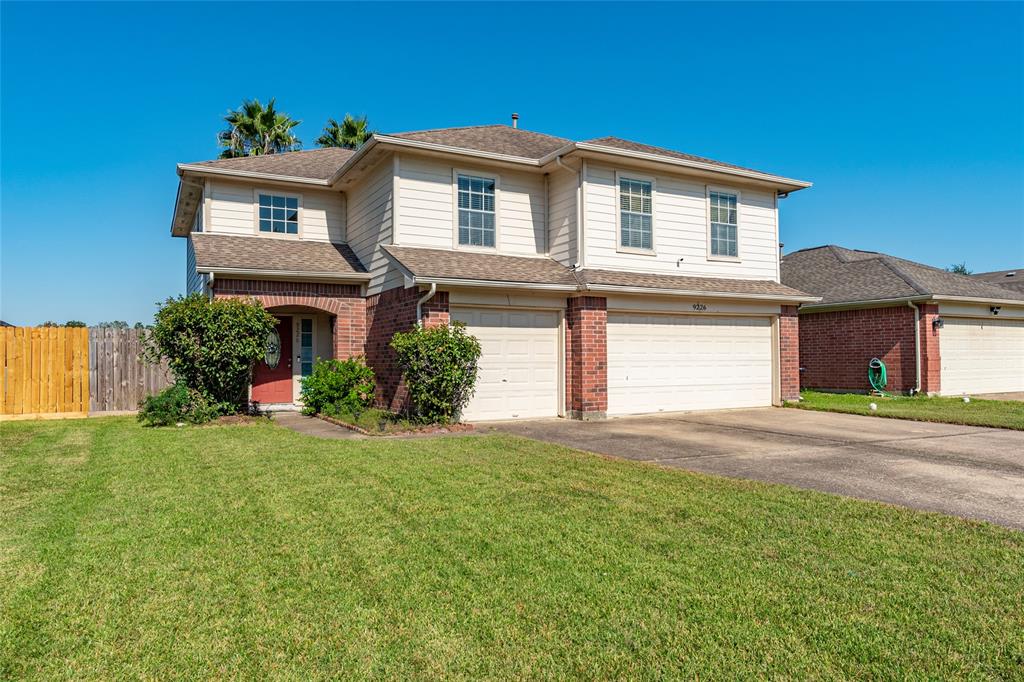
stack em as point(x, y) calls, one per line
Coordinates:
point(301, 337)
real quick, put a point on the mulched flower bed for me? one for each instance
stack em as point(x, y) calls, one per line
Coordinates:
point(404, 430)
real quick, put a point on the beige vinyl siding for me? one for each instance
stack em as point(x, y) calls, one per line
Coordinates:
point(426, 215)
point(233, 211)
point(680, 229)
point(562, 187)
point(370, 204)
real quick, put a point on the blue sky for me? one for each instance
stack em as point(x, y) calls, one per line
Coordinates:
point(908, 118)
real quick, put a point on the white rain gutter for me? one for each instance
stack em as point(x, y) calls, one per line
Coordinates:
point(917, 347)
point(353, 276)
point(423, 299)
point(613, 288)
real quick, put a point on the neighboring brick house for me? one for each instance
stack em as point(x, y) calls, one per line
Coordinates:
point(937, 332)
point(601, 277)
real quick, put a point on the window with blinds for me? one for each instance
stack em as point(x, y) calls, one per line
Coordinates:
point(476, 211)
point(636, 211)
point(723, 224)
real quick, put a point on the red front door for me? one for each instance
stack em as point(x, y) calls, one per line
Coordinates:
point(273, 384)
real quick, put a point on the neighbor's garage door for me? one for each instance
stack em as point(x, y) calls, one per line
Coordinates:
point(680, 362)
point(981, 356)
point(518, 375)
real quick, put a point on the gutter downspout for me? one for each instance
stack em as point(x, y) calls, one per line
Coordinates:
point(426, 297)
point(579, 209)
point(917, 348)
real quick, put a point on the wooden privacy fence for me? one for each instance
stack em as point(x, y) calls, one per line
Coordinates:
point(119, 377)
point(45, 371)
point(60, 372)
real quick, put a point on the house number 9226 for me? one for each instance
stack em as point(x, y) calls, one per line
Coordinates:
point(700, 307)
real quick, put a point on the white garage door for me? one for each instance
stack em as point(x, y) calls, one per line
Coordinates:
point(981, 356)
point(677, 362)
point(518, 376)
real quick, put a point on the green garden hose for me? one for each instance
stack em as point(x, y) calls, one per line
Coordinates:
point(877, 376)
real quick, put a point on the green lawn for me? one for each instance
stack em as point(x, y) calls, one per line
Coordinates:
point(1006, 414)
point(251, 551)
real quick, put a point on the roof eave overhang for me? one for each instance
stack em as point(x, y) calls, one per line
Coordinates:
point(903, 300)
point(975, 299)
point(690, 293)
point(202, 171)
point(185, 208)
point(358, 277)
point(415, 280)
point(783, 184)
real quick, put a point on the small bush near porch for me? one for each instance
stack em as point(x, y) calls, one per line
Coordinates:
point(253, 552)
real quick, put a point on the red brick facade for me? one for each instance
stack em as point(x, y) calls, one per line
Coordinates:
point(586, 357)
point(836, 347)
point(931, 366)
point(386, 313)
point(789, 353)
point(364, 326)
point(344, 301)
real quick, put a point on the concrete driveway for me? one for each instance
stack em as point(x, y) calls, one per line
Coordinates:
point(968, 471)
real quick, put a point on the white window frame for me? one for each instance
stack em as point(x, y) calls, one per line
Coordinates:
point(456, 172)
point(624, 175)
point(297, 319)
point(256, 212)
point(739, 221)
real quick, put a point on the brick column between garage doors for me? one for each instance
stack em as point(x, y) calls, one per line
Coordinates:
point(586, 358)
point(789, 353)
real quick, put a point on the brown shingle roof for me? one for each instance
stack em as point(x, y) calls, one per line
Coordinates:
point(483, 267)
point(709, 285)
point(1008, 279)
point(430, 264)
point(629, 145)
point(217, 251)
point(316, 164)
point(841, 275)
point(495, 139)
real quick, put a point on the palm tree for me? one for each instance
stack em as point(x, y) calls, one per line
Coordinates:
point(254, 130)
point(350, 133)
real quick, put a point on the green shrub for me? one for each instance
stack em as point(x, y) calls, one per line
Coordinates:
point(440, 365)
point(211, 346)
point(345, 385)
point(176, 404)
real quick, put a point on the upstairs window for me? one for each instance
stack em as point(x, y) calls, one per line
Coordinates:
point(476, 211)
point(723, 224)
point(279, 214)
point(636, 211)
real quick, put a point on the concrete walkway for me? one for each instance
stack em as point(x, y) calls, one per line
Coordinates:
point(966, 471)
point(311, 426)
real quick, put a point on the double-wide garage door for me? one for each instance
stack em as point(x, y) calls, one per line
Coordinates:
point(663, 363)
point(518, 373)
point(981, 355)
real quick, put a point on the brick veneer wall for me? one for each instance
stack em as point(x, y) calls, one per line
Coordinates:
point(789, 353)
point(386, 313)
point(586, 357)
point(344, 301)
point(836, 347)
point(931, 366)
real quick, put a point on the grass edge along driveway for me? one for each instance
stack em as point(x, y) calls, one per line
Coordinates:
point(253, 551)
point(1004, 414)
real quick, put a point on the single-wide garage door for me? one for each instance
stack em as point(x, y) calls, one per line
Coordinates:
point(518, 375)
point(662, 363)
point(981, 356)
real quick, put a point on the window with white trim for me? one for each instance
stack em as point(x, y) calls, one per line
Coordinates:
point(279, 214)
point(476, 210)
point(724, 224)
point(636, 212)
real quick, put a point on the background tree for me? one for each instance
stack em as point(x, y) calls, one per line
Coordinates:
point(254, 130)
point(74, 323)
point(351, 133)
point(959, 269)
point(115, 324)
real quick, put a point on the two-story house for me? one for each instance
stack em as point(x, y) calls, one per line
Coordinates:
point(603, 277)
